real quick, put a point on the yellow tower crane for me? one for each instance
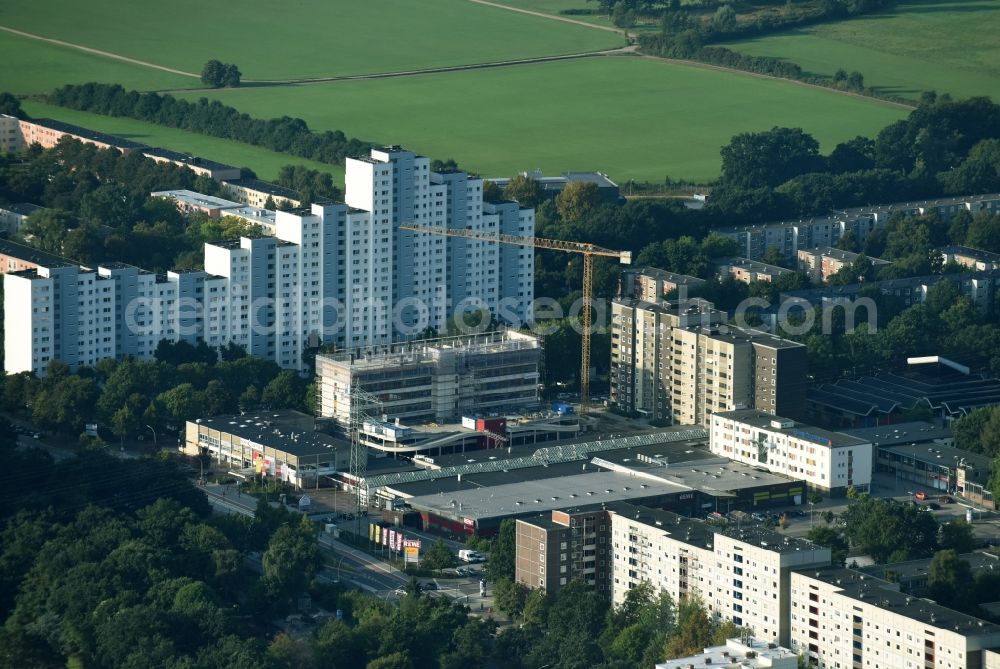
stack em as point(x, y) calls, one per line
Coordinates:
point(587, 250)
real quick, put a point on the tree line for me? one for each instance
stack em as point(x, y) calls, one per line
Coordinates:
point(687, 31)
point(285, 135)
point(182, 383)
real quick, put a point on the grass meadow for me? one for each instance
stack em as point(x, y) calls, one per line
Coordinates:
point(950, 46)
point(31, 66)
point(633, 118)
point(303, 38)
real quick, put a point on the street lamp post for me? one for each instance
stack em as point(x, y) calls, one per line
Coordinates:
point(154, 434)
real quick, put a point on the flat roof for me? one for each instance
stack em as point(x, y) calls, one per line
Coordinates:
point(275, 430)
point(915, 432)
point(841, 254)
point(811, 433)
point(32, 255)
point(542, 495)
point(752, 265)
point(861, 212)
point(194, 198)
point(22, 208)
point(103, 138)
point(882, 594)
point(912, 569)
point(187, 159)
point(831, 292)
point(734, 654)
point(665, 275)
point(264, 187)
point(987, 256)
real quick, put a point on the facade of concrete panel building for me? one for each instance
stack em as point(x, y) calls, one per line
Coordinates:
point(676, 361)
point(341, 273)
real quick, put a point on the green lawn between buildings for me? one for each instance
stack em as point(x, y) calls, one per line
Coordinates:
point(633, 118)
point(303, 38)
point(946, 45)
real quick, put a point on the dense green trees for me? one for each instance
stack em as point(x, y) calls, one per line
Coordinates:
point(890, 531)
point(217, 74)
point(285, 135)
point(312, 185)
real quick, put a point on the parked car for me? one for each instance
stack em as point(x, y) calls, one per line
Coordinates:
point(921, 495)
point(429, 585)
point(946, 499)
point(933, 506)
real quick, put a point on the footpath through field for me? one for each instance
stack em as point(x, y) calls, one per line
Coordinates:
point(554, 17)
point(98, 52)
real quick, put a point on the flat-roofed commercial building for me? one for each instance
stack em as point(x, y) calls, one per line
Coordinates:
point(829, 461)
point(846, 618)
point(435, 379)
point(281, 444)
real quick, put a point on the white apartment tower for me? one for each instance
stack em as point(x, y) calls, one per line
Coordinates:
point(342, 273)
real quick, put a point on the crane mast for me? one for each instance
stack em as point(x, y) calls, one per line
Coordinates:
point(587, 250)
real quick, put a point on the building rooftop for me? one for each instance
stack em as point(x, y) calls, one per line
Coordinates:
point(194, 199)
point(542, 495)
point(187, 159)
point(810, 433)
point(22, 208)
point(884, 595)
point(277, 430)
point(662, 274)
point(750, 265)
point(954, 392)
point(746, 653)
point(427, 350)
point(861, 212)
point(985, 256)
point(32, 255)
point(93, 135)
point(915, 432)
point(920, 569)
point(264, 187)
point(841, 254)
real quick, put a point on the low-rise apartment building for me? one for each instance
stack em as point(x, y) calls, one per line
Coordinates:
point(11, 139)
point(790, 236)
point(829, 461)
point(741, 653)
point(842, 618)
point(745, 270)
point(652, 284)
point(198, 165)
point(47, 132)
point(13, 216)
point(974, 259)
point(820, 263)
point(256, 193)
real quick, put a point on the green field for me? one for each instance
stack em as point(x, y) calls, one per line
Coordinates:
point(303, 38)
point(633, 118)
point(31, 66)
point(947, 46)
point(262, 161)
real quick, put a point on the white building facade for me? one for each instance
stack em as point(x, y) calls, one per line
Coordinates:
point(342, 273)
point(828, 461)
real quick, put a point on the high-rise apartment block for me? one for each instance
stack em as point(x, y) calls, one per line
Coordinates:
point(678, 361)
point(342, 273)
point(741, 574)
point(848, 619)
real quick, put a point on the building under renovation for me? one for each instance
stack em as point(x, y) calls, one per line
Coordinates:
point(434, 380)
